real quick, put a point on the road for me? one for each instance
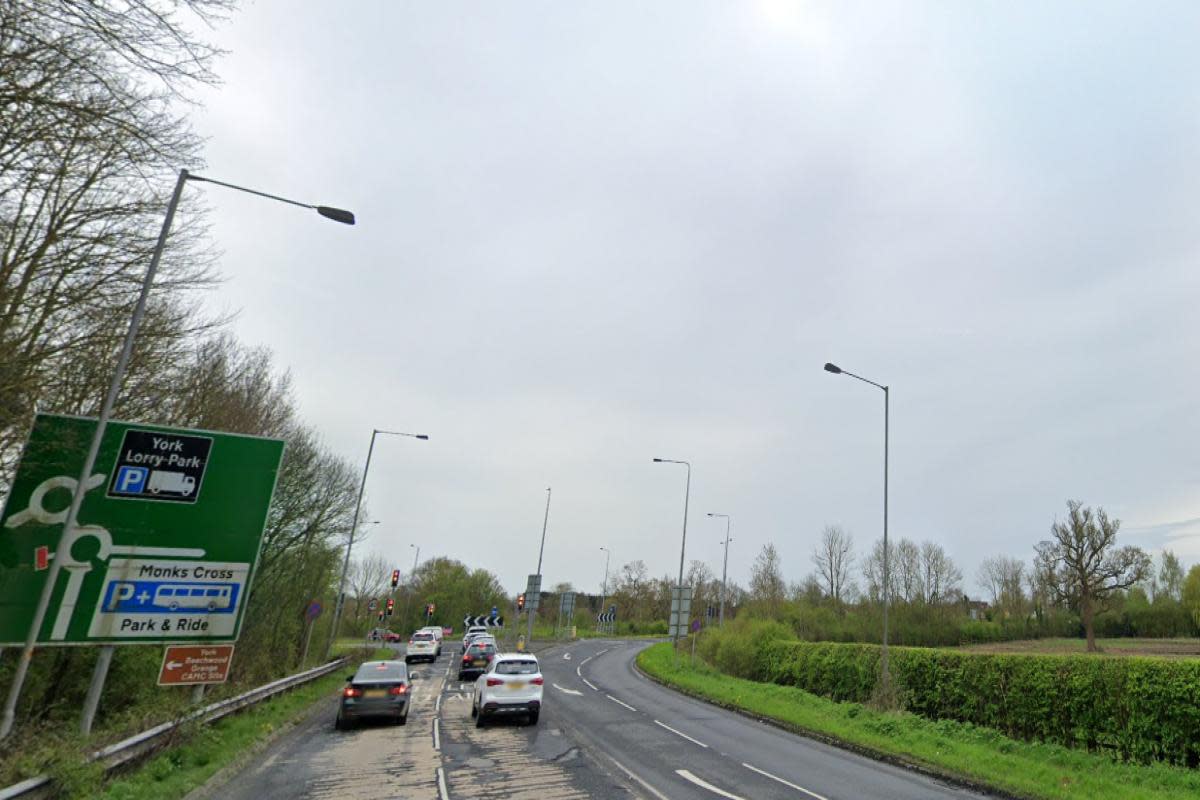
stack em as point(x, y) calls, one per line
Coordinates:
point(605, 732)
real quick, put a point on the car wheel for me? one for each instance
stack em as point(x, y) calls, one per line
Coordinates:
point(402, 720)
point(479, 723)
point(474, 710)
point(339, 723)
point(533, 717)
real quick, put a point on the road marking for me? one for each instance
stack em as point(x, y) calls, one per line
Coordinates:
point(589, 658)
point(589, 683)
point(679, 733)
point(566, 656)
point(601, 652)
point(567, 691)
point(634, 777)
point(781, 780)
point(443, 793)
point(577, 672)
point(437, 742)
point(683, 773)
point(437, 705)
point(618, 702)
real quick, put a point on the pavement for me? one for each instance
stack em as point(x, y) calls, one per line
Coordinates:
point(605, 731)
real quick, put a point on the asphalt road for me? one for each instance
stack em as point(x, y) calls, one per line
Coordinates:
point(605, 732)
point(671, 746)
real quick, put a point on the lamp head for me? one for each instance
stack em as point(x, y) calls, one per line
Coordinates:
point(424, 436)
point(658, 460)
point(336, 214)
point(834, 368)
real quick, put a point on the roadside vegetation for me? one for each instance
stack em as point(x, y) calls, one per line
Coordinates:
point(955, 749)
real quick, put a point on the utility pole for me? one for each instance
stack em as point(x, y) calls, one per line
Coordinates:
point(724, 568)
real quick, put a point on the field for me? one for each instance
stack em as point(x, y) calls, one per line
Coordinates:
point(1162, 648)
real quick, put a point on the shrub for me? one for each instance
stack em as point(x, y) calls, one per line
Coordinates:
point(1139, 709)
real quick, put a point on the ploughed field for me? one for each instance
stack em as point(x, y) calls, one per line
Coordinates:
point(1163, 648)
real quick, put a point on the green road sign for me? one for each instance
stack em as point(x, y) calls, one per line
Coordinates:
point(168, 535)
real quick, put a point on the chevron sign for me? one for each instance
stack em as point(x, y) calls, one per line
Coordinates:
point(487, 622)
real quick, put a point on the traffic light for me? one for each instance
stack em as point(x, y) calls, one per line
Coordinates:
point(395, 578)
point(391, 604)
point(521, 602)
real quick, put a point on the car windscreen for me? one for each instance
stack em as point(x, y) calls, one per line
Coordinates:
point(517, 667)
point(482, 648)
point(381, 671)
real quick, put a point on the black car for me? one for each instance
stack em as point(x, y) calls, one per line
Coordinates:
point(378, 689)
point(476, 659)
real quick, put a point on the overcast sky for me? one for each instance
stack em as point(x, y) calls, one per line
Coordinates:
point(595, 233)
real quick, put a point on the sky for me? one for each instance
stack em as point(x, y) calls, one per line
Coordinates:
point(591, 234)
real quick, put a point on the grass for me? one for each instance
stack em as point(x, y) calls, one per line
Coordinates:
point(967, 752)
point(175, 772)
point(1162, 648)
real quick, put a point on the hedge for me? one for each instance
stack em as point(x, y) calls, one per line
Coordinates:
point(1139, 709)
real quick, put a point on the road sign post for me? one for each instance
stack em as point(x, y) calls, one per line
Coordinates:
point(566, 610)
point(533, 595)
point(681, 608)
point(164, 540)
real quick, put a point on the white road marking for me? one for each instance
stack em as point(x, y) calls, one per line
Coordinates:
point(567, 691)
point(589, 683)
point(566, 656)
point(634, 777)
point(683, 773)
point(443, 793)
point(589, 658)
point(601, 652)
point(577, 672)
point(437, 741)
point(618, 702)
point(679, 733)
point(437, 705)
point(781, 780)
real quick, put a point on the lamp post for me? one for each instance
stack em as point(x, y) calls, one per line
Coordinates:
point(682, 545)
point(725, 567)
point(70, 528)
point(604, 588)
point(412, 579)
point(533, 609)
point(341, 597)
point(883, 653)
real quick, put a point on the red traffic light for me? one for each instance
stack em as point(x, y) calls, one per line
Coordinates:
point(395, 578)
point(520, 602)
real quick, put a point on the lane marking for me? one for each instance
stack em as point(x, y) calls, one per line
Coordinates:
point(566, 656)
point(781, 780)
point(679, 733)
point(577, 672)
point(589, 683)
point(443, 792)
point(618, 702)
point(634, 777)
point(601, 652)
point(437, 705)
point(567, 691)
point(683, 773)
point(437, 742)
point(589, 658)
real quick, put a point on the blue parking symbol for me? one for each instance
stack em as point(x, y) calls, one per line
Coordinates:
point(131, 480)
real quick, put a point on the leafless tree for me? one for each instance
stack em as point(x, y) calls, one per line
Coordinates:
point(1083, 567)
point(940, 576)
point(1004, 580)
point(767, 585)
point(906, 566)
point(834, 558)
point(369, 578)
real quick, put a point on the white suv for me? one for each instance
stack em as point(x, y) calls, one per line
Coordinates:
point(421, 645)
point(437, 635)
point(473, 631)
point(512, 684)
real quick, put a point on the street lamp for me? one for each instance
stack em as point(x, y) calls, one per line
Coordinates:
point(537, 603)
point(682, 545)
point(411, 579)
point(604, 589)
point(341, 597)
point(883, 654)
point(70, 528)
point(725, 567)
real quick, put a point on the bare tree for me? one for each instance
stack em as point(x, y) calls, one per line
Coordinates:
point(1004, 579)
point(872, 572)
point(766, 579)
point(834, 558)
point(369, 578)
point(940, 576)
point(1082, 566)
point(906, 567)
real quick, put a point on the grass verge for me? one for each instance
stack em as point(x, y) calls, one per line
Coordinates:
point(187, 766)
point(957, 750)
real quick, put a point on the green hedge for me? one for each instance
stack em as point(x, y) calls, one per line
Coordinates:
point(1140, 709)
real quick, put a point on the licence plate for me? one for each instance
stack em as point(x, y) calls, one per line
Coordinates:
point(479, 662)
point(516, 684)
point(375, 693)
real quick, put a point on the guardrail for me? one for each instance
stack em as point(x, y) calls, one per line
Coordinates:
point(143, 744)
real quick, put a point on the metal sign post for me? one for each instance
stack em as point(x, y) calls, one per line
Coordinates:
point(681, 609)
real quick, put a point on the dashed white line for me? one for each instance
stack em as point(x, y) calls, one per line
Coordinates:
point(437, 705)
point(781, 780)
point(618, 702)
point(634, 777)
point(679, 733)
point(437, 741)
point(683, 773)
point(567, 691)
point(443, 792)
point(592, 685)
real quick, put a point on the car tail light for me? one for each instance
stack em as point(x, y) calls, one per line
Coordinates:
point(466, 658)
point(494, 681)
point(350, 691)
point(401, 689)
point(538, 681)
